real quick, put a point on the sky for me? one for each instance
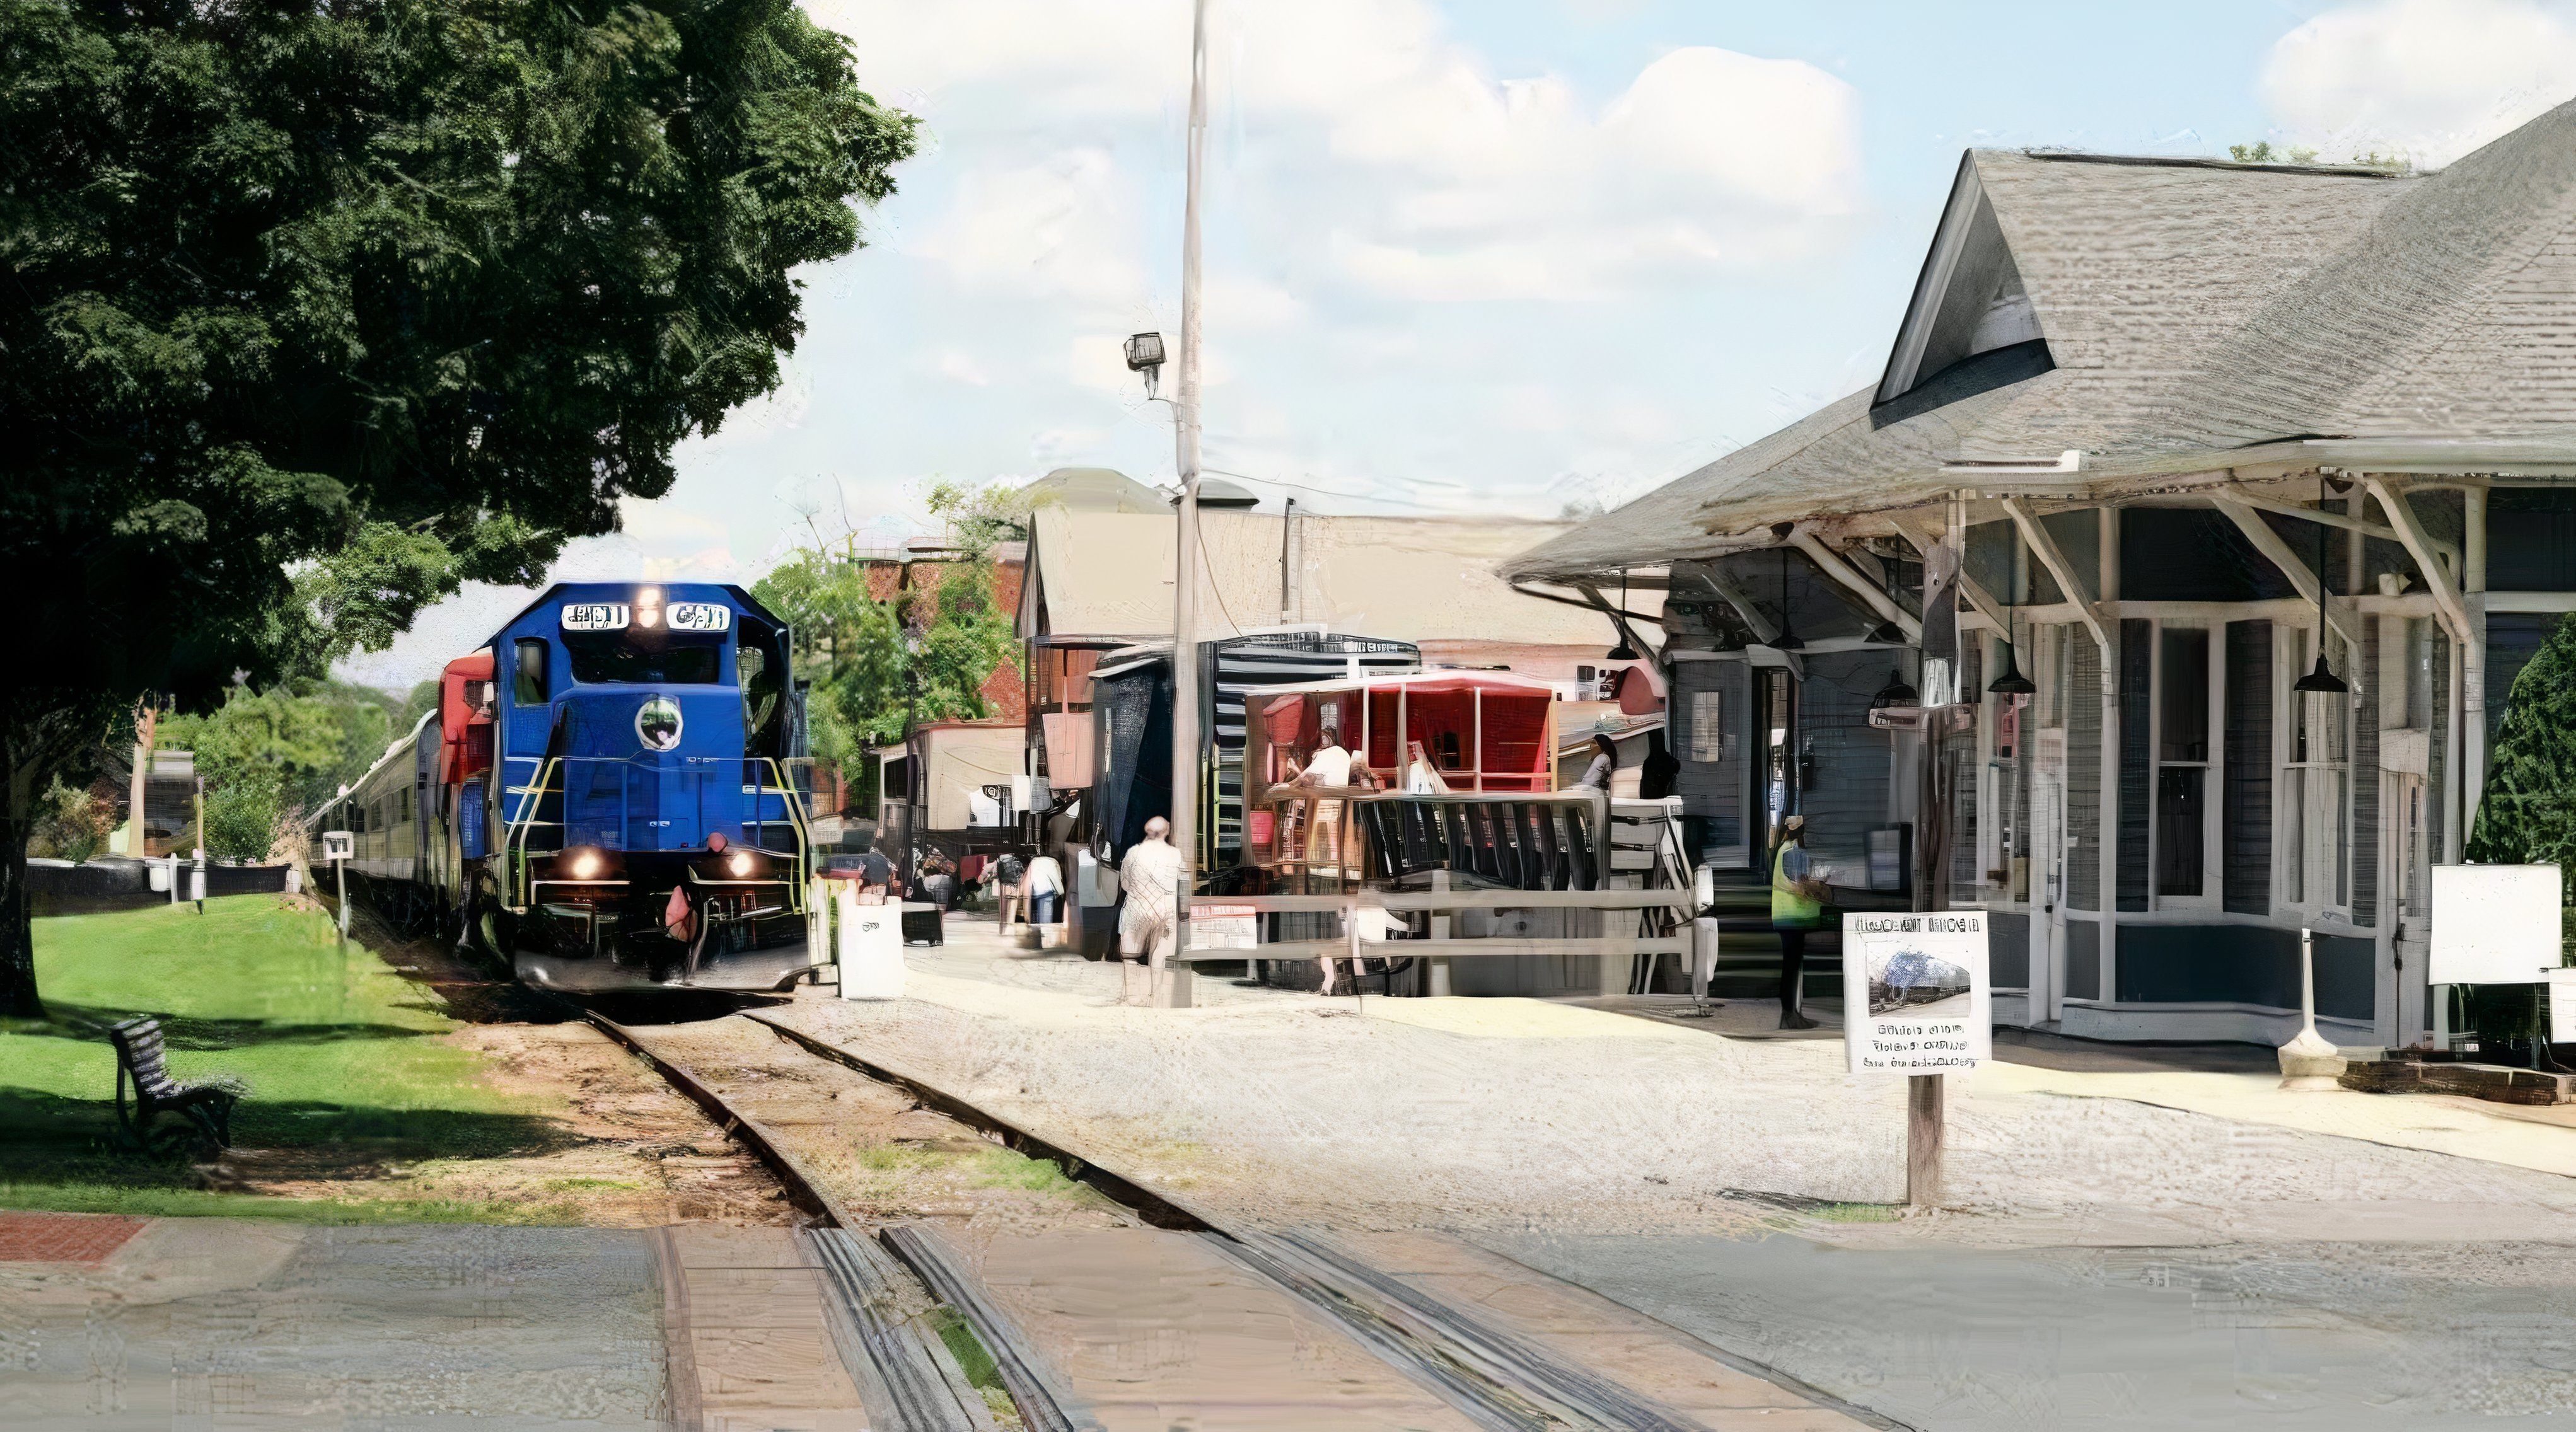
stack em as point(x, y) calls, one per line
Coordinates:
point(1481, 256)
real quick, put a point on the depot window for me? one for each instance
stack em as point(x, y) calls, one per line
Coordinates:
point(658, 658)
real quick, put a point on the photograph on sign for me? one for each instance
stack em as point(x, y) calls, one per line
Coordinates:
point(1915, 994)
point(2510, 933)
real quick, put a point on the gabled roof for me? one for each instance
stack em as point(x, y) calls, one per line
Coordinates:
point(1107, 576)
point(2185, 311)
point(2454, 315)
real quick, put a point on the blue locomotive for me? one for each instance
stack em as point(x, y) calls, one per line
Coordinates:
point(611, 795)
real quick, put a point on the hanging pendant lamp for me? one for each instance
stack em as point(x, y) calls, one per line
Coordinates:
point(1897, 692)
point(2322, 681)
point(1623, 651)
point(1788, 639)
point(2010, 681)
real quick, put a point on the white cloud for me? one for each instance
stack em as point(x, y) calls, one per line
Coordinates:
point(1063, 228)
point(1430, 176)
point(2432, 79)
point(957, 366)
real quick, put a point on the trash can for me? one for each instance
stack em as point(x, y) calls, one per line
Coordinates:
point(871, 948)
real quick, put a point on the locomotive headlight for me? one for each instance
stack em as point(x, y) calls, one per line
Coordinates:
point(648, 596)
point(585, 865)
point(739, 864)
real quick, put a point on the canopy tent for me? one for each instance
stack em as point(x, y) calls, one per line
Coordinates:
point(1484, 730)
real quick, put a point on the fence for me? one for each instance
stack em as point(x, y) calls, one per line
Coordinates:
point(1539, 865)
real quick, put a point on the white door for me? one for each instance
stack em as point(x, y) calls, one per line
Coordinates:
point(2048, 877)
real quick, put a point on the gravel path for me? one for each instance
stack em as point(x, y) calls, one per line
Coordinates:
point(1510, 1115)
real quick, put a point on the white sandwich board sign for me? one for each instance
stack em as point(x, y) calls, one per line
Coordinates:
point(2493, 924)
point(1916, 994)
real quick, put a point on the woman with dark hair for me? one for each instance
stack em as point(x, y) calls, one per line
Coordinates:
point(1605, 759)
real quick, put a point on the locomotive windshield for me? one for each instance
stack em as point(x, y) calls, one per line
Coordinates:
point(645, 657)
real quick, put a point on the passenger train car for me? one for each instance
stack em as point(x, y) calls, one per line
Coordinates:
point(611, 795)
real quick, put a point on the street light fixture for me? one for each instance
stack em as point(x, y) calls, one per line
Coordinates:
point(1623, 651)
point(1145, 355)
point(2322, 681)
point(1788, 639)
point(2012, 682)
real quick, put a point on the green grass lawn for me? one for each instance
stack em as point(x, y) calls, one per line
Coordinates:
point(341, 1056)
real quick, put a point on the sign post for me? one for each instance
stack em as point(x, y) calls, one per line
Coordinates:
point(1917, 1001)
point(335, 848)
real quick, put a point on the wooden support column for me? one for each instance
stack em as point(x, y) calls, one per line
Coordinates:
point(2468, 657)
point(2054, 559)
point(2473, 732)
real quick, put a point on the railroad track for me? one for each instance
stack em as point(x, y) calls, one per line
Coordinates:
point(1496, 1378)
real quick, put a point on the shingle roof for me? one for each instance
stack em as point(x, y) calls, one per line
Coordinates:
point(2190, 309)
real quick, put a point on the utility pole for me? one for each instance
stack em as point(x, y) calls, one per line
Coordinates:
point(1185, 588)
point(144, 722)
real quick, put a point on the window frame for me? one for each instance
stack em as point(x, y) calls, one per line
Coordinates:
point(2212, 765)
point(519, 674)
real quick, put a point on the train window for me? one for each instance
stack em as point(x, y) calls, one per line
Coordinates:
point(633, 657)
point(532, 671)
point(759, 691)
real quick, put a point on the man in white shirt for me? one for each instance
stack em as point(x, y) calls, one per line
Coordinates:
point(1151, 878)
point(1042, 884)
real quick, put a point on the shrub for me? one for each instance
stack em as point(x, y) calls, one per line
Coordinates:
point(242, 817)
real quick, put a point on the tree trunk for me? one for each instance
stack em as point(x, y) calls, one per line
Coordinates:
point(17, 934)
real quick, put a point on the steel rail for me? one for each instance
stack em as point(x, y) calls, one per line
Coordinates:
point(1496, 1380)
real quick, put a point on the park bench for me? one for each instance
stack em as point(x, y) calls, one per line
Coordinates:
point(142, 1060)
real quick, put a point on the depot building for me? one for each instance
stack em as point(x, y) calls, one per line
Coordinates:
point(2263, 485)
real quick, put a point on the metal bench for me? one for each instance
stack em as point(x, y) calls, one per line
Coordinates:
point(141, 1059)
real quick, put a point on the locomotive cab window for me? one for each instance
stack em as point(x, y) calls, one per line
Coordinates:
point(645, 657)
point(532, 671)
point(760, 666)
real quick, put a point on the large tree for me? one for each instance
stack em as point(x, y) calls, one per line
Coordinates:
point(311, 312)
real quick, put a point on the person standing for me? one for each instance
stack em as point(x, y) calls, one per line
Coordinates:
point(1151, 878)
point(1043, 886)
point(1797, 906)
point(1659, 772)
point(1008, 871)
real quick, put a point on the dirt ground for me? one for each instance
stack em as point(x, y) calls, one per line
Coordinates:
point(631, 1152)
point(874, 1150)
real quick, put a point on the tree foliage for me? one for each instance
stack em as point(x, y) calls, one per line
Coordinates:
point(317, 311)
point(2527, 814)
point(73, 824)
point(243, 816)
point(304, 739)
point(879, 665)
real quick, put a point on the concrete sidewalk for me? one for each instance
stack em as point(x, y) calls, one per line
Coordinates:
point(116, 1323)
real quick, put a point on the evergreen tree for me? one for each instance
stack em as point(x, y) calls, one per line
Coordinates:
point(2527, 815)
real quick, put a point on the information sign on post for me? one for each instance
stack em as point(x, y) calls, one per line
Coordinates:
point(1917, 1002)
point(336, 847)
point(1915, 994)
